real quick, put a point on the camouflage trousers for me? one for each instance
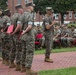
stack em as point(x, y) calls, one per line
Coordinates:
point(18, 51)
point(13, 49)
point(0, 43)
point(49, 45)
point(15, 53)
point(6, 46)
point(28, 48)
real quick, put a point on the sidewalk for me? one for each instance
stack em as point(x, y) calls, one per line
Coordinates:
point(61, 60)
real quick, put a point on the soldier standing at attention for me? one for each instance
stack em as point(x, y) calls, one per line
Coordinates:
point(0, 32)
point(16, 47)
point(28, 39)
point(5, 21)
point(48, 33)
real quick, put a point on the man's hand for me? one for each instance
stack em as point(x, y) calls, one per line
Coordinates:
point(54, 22)
point(23, 32)
point(11, 34)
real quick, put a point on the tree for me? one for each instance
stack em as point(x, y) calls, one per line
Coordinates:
point(41, 5)
point(59, 6)
point(3, 4)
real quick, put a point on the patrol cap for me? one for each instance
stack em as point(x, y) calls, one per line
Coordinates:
point(6, 11)
point(18, 6)
point(30, 4)
point(49, 8)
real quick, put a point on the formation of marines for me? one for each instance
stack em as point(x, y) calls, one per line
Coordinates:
point(19, 46)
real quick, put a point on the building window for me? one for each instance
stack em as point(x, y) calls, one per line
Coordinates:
point(56, 16)
point(70, 14)
point(75, 15)
point(65, 16)
point(26, 1)
point(19, 1)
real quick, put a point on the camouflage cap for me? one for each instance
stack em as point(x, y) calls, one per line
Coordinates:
point(18, 6)
point(49, 8)
point(6, 10)
point(30, 4)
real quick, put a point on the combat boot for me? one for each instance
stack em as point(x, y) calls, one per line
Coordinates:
point(48, 60)
point(11, 64)
point(7, 62)
point(23, 69)
point(31, 72)
point(18, 67)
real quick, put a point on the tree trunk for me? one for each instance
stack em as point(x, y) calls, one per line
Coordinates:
point(62, 18)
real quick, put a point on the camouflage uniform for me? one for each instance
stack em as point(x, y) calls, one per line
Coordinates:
point(57, 32)
point(65, 40)
point(69, 38)
point(0, 30)
point(0, 37)
point(27, 39)
point(57, 37)
point(48, 34)
point(16, 46)
point(5, 38)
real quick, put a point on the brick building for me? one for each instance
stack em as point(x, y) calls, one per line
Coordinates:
point(70, 17)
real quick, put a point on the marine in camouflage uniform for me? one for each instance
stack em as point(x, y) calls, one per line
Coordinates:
point(0, 33)
point(48, 33)
point(65, 33)
point(16, 45)
point(57, 36)
point(5, 21)
point(28, 39)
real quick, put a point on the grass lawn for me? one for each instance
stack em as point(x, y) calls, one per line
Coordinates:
point(67, 71)
point(70, 49)
point(54, 50)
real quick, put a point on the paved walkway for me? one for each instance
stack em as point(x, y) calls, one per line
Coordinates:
point(61, 60)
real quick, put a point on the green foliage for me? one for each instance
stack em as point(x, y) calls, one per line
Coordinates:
point(67, 71)
point(59, 6)
point(3, 4)
point(41, 5)
point(62, 6)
